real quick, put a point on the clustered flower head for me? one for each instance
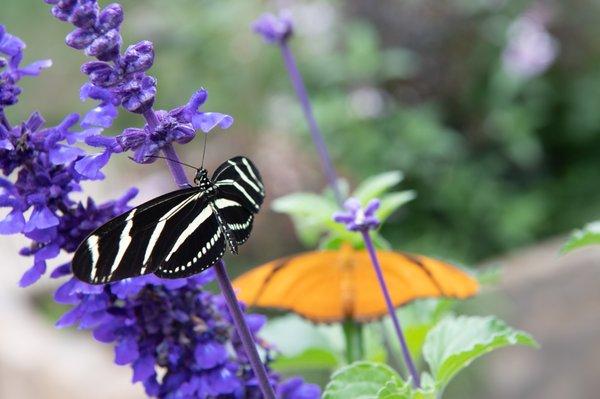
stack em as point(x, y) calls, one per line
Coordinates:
point(177, 336)
point(274, 29)
point(357, 218)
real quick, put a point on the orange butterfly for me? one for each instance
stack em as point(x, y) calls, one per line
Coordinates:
point(332, 286)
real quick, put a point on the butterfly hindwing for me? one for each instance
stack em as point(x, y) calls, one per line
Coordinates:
point(133, 243)
point(239, 180)
point(197, 247)
point(236, 218)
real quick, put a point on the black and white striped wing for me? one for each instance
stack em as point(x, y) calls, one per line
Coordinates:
point(239, 180)
point(199, 245)
point(236, 217)
point(136, 242)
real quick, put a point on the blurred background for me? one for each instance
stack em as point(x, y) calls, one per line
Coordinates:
point(489, 107)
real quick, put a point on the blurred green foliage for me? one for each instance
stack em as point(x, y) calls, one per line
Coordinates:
point(496, 162)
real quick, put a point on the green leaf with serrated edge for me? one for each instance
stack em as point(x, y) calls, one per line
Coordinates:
point(456, 341)
point(391, 202)
point(310, 359)
point(589, 235)
point(394, 390)
point(360, 380)
point(375, 186)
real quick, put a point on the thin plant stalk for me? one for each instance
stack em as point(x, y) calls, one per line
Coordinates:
point(223, 279)
point(390, 305)
point(353, 334)
point(330, 173)
point(317, 136)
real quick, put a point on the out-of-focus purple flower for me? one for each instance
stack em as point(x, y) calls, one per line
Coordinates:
point(274, 29)
point(295, 388)
point(357, 218)
point(531, 49)
point(178, 125)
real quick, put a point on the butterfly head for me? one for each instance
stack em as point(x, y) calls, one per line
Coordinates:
point(201, 179)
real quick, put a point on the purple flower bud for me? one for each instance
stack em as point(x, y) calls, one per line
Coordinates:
point(110, 17)
point(63, 9)
point(105, 47)
point(101, 73)
point(80, 38)
point(274, 29)
point(84, 15)
point(33, 274)
point(138, 57)
point(138, 97)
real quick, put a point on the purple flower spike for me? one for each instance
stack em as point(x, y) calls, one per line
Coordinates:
point(274, 29)
point(357, 218)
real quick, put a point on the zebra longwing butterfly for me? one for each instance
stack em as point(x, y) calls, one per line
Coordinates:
point(177, 234)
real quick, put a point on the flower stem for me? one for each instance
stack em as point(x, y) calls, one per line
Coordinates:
point(224, 282)
point(388, 301)
point(317, 136)
point(354, 340)
point(243, 331)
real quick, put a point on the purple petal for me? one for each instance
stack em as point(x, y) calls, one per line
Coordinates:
point(63, 154)
point(102, 115)
point(41, 218)
point(13, 223)
point(61, 271)
point(6, 144)
point(372, 207)
point(71, 317)
point(143, 368)
point(106, 332)
point(50, 251)
point(126, 351)
point(90, 165)
point(206, 121)
point(35, 68)
point(33, 274)
point(295, 388)
point(255, 322)
point(210, 354)
point(274, 29)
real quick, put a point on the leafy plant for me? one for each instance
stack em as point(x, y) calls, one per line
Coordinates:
point(452, 345)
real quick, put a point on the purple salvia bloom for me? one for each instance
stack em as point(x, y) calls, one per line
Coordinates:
point(274, 29)
point(177, 125)
point(357, 218)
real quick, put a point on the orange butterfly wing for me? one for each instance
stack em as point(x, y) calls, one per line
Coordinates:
point(330, 286)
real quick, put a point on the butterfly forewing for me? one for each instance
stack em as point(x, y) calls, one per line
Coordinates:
point(135, 242)
point(237, 217)
point(239, 180)
point(197, 247)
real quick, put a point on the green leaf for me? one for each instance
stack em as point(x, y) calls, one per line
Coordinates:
point(361, 380)
point(375, 186)
point(391, 202)
point(305, 204)
point(394, 390)
point(589, 235)
point(310, 359)
point(456, 341)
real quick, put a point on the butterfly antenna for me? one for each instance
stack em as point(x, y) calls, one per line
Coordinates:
point(203, 151)
point(168, 159)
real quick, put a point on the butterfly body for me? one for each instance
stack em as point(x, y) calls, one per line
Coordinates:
point(177, 234)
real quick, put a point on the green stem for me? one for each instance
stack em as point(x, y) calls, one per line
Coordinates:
point(353, 334)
